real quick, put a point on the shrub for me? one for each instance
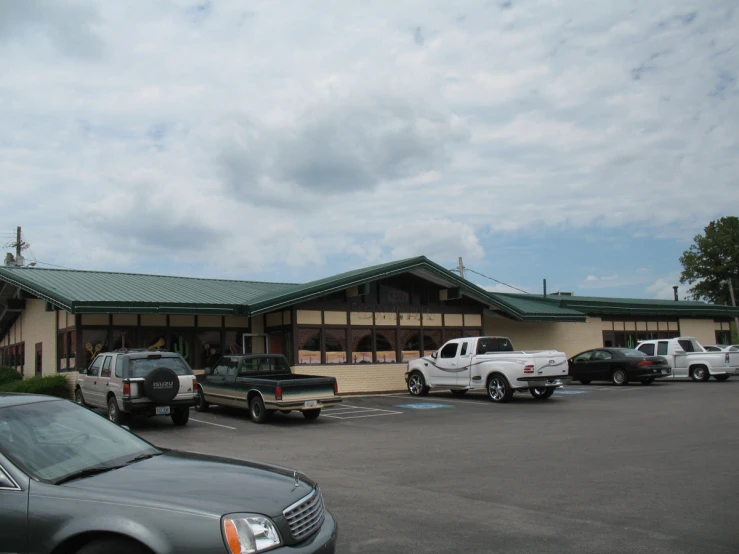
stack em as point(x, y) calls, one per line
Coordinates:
point(9, 375)
point(53, 385)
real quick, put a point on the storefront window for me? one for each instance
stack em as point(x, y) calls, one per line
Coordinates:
point(450, 334)
point(723, 337)
point(124, 338)
point(309, 346)
point(72, 349)
point(335, 343)
point(386, 341)
point(234, 343)
point(431, 342)
point(182, 341)
point(152, 338)
point(361, 346)
point(410, 345)
point(208, 349)
point(94, 341)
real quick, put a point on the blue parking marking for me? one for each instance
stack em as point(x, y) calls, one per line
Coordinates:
point(423, 406)
point(563, 391)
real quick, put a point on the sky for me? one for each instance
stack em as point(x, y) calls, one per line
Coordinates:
point(582, 142)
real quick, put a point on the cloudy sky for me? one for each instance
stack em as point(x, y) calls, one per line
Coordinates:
point(583, 142)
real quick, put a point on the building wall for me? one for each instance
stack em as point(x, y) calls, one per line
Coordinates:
point(35, 325)
point(361, 378)
point(702, 329)
point(570, 338)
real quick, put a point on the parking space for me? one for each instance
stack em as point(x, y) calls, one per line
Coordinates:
point(593, 469)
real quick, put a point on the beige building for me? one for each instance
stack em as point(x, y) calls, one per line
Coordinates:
point(360, 327)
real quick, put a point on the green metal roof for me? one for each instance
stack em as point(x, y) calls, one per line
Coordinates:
point(596, 305)
point(531, 308)
point(95, 291)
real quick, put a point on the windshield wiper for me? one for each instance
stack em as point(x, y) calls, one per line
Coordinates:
point(85, 473)
point(143, 457)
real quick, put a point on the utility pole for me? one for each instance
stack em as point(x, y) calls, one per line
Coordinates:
point(461, 267)
point(18, 245)
point(733, 302)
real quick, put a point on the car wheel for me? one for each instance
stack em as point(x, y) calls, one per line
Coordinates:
point(459, 392)
point(180, 416)
point(647, 381)
point(498, 389)
point(585, 381)
point(113, 546)
point(257, 410)
point(619, 377)
point(311, 414)
point(417, 384)
point(114, 412)
point(721, 377)
point(700, 373)
point(202, 405)
point(78, 398)
point(541, 393)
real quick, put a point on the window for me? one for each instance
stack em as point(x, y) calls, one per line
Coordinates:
point(431, 341)
point(494, 344)
point(661, 348)
point(686, 345)
point(106, 366)
point(335, 345)
point(208, 349)
point(119, 366)
point(140, 367)
point(94, 370)
point(723, 337)
point(361, 346)
point(386, 341)
point(410, 347)
point(602, 355)
point(450, 350)
point(309, 346)
point(39, 359)
point(221, 368)
point(584, 357)
point(648, 349)
point(263, 365)
point(182, 342)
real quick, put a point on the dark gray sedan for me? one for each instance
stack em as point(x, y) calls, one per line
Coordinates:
point(72, 482)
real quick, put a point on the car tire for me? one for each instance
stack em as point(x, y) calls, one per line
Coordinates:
point(113, 545)
point(311, 414)
point(154, 381)
point(619, 377)
point(498, 388)
point(257, 410)
point(114, 411)
point(459, 392)
point(78, 398)
point(700, 373)
point(180, 416)
point(585, 381)
point(417, 384)
point(647, 381)
point(202, 405)
point(541, 393)
point(721, 377)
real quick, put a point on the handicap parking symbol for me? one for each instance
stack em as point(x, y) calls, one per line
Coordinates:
point(423, 406)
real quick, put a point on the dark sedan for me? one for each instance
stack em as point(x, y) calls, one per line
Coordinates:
point(73, 482)
point(618, 365)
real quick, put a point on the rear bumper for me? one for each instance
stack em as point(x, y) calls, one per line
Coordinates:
point(149, 408)
point(300, 405)
point(543, 381)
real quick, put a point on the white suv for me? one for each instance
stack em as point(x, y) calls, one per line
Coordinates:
point(146, 382)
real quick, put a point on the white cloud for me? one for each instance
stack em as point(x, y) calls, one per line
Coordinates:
point(240, 137)
point(662, 288)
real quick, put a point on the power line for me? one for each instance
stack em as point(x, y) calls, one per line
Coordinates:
point(501, 282)
point(52, 265)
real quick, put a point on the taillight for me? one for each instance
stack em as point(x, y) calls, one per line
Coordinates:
point(336, 388)
point(194, 384)
point(528, 369)
point(645, 363)
point(126, 389)
point(278, 393)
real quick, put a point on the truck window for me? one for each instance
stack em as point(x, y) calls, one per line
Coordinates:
point(648, 349)
point(463, 352)
point(494, 344)
point(450, 350)
point(662, 348)
point(686, 345)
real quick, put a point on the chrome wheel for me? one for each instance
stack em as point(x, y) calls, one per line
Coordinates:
point(415, 384)
point(497, 388)
point(700, 373)
point(620, 377)
point(78, 397)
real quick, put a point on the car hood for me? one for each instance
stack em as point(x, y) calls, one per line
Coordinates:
point(199, 483)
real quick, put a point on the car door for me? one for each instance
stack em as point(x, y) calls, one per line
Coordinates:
point(216, 387)
point(14, 509)
point(101, 382)
point(443, 371)
point(463, 363)
point(579, 366)
point(89, 385)
point(600, 365)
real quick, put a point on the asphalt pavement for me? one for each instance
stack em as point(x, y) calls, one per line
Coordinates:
point(595, 468)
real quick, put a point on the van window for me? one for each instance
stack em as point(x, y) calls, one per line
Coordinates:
point(648, 349)
point(661, 348)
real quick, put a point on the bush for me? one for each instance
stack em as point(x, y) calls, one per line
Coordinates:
point(9, 375)
point(53, 385)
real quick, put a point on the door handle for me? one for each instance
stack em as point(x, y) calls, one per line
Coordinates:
point(106, 384)
point(454, 365)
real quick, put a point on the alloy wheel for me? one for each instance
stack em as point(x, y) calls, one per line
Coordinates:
point(415, 384)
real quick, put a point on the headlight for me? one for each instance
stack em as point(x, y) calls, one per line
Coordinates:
point(249, 533)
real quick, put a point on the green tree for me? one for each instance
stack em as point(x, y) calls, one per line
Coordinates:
point(711, 260)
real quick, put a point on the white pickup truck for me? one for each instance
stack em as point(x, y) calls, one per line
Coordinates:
point(488, 363)
point(688, 358)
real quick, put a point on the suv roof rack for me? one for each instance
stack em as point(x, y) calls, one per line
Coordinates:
point(127, 350)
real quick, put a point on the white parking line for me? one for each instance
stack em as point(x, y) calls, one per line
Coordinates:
point(356, 412)
point(209, 423)
point(361, 416)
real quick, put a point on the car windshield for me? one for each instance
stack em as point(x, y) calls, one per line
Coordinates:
point(631, 353)
point(52, 440)
point(141, 367)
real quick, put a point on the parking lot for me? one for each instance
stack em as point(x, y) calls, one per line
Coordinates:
point(594, 469)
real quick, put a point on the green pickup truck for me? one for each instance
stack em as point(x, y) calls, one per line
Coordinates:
point(264, 384)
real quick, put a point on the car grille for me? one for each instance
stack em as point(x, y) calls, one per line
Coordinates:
point(306, 515)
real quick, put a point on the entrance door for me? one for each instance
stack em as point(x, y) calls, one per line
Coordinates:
point(255, 343)
point(446, 366)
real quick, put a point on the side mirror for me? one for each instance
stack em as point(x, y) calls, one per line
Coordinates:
point(434, 355)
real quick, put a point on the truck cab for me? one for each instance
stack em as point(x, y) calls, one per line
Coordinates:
point(688, 358)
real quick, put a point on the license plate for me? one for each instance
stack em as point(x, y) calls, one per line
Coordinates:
point(162, 410)
point(310, 403)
